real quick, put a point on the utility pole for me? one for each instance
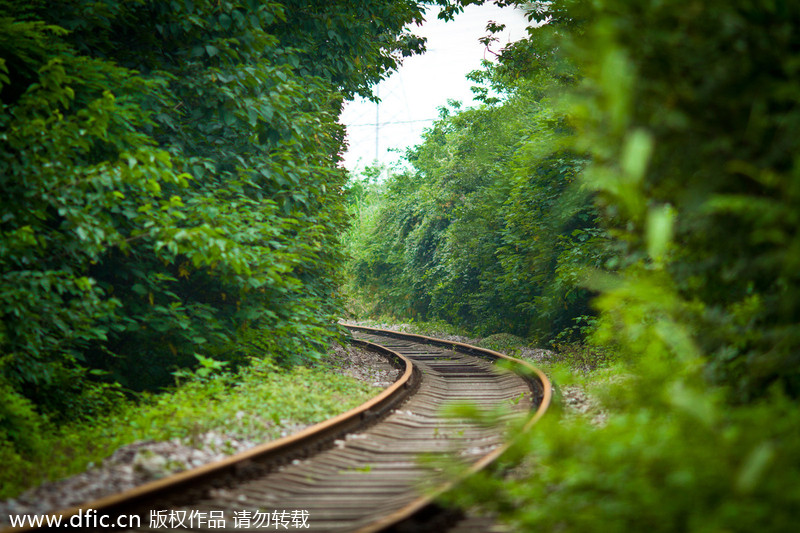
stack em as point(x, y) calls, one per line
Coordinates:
point(377, 118)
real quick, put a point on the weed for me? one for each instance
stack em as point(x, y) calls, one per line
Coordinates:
point(255, 403)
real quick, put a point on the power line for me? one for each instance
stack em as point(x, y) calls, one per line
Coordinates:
point(373, 124)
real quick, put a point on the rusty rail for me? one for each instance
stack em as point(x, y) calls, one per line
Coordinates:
point(359, 470)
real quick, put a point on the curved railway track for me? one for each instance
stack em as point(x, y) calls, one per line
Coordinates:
point(359, 471)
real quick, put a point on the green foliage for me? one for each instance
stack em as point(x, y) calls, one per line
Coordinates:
point(673, 459)
point(169, 184)
point(19, 422)
point(695, 167)
point(257, 403)
point(687, 111)
point(207, 369)
point(503, 343)
point(490, 230)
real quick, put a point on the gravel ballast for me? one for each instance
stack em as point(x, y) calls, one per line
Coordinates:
point(141, 462)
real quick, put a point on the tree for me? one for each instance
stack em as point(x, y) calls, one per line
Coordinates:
point(489, 230)
point(169, 183)
point(687, 113)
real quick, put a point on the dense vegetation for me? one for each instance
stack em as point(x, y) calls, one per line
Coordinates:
point(171, 197)
point(489, 230)
point(170, 189)
point(610, 153)
point(255, 403)
point(641, 158)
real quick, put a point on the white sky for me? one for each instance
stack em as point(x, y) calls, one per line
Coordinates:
point(410, 97)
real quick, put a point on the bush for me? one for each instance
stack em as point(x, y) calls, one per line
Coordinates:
point(257, 403)
point(671, 457)
point(503, 343)
point(488, 231)
point(688, 113)
point(169, 182)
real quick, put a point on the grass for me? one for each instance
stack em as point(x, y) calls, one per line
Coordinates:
point(432, 328)
point(257, 403)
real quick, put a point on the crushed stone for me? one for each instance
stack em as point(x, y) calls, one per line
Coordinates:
point(411, 328)
point(141, 462)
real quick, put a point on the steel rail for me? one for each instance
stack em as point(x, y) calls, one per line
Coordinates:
point(539, 381)
point(261, 458)
point(330, 481)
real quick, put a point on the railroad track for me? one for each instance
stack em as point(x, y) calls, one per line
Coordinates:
point(357, 472)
